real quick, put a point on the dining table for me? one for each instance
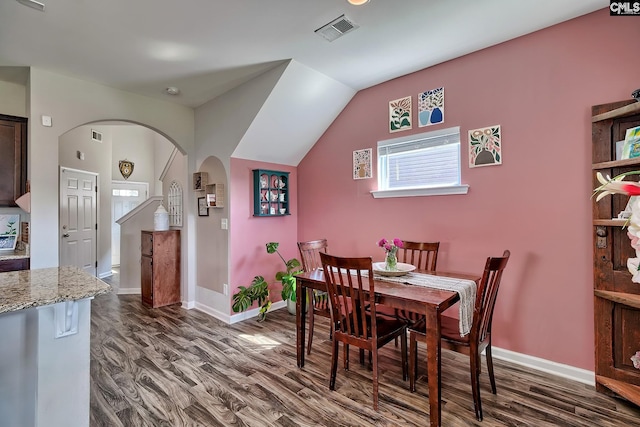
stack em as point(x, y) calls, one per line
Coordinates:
point(418, 299)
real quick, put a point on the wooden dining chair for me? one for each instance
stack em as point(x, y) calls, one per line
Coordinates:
point(477, 340)
point(318, 300)
point(424, 255)
point(350, 292)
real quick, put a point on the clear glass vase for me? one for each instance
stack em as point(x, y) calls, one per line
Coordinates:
point(391, 261)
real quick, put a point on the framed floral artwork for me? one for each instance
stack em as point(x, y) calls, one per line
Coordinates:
point(9, 232)
point(400, 114)
point(431, 107)
point(362, 164)
point(485, 146)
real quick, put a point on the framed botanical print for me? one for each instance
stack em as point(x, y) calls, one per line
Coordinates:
point(362, 164)
point(9, 231)
point(203, 210)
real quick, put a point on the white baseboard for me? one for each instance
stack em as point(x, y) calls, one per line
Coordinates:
point(565, 371)
point(188, 305)
point(128, 291)
point(236, 317)
point(105, 274)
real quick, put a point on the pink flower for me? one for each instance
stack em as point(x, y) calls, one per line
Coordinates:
point(635, 241)
point(390, 246)
point(636, 360)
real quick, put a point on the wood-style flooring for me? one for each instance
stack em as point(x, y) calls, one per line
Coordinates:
point(175, 367)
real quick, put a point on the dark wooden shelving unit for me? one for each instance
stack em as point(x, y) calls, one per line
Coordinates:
point(270, 193)
point(616, 297)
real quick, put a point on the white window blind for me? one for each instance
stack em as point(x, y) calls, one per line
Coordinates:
point(426, 160)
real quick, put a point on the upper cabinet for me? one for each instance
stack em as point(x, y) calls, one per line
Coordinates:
point(270, 193)
point(13, 158)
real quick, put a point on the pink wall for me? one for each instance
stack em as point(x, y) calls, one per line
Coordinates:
point(539, 88)
point(250, 234)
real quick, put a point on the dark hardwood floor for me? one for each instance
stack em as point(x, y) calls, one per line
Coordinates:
point(174, 367)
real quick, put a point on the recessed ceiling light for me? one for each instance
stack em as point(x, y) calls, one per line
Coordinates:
point(172, 90)
point(33, 4)
point(358, 2)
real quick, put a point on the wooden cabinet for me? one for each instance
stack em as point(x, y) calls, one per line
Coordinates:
point(616, 297)
point(270, 193)
point(160, 269)
point(14, 264)
point(13, 158)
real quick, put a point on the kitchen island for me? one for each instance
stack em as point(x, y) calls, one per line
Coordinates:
point(45, 319)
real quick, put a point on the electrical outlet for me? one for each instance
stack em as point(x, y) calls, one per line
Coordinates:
point(225, 289)
point(224, 224)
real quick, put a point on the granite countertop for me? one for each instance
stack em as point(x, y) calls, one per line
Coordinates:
point(34, 288)
point(13, 254)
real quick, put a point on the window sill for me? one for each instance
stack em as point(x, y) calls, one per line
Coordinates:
point(433, 191)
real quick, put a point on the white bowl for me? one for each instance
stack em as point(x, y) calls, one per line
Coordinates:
point(401, 269)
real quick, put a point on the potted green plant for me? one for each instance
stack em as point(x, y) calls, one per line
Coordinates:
point(246, 295)
point(287, 278)
point(258, 290)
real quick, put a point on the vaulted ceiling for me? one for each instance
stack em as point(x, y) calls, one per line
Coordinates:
point(206, 47)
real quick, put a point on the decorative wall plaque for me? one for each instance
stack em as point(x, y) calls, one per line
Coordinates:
point(126, 168)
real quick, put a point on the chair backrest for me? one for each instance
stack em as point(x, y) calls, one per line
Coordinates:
point(309, 252)
point(424, 255)
point(350, 293)
point(486, 296)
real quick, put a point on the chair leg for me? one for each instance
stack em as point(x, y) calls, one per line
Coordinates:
point(311, 319)
point(475, 383)
point(490, 369)
point(361, 353)
point(334, 365)
point(403, 348)
point(413, 361)
point(375, 379)
point(345, 347)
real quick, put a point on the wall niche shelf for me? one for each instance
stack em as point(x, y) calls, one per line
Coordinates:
point(214, 195)
point(270, 193)
point(200, 179)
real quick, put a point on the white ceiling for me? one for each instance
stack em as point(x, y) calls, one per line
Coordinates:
point(206, 47)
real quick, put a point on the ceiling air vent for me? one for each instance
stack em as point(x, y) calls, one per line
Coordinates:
point(96, 136)
point(337, 28)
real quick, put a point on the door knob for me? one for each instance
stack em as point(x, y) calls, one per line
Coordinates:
point(65, 235)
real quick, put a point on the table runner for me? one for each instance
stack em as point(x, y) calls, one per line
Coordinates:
point(466, 289)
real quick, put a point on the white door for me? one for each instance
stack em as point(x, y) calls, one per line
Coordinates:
point(124, 197)
point(78, 219)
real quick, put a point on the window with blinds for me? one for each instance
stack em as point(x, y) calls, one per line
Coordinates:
point(425, 160)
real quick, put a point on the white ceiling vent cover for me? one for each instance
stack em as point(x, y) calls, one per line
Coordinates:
point(96, 136)
point(337, 28)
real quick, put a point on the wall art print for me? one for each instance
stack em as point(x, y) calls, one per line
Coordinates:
point(485, 146)
point(400, 114)
point(9, 231)
point(362, 164)
point(431, 107)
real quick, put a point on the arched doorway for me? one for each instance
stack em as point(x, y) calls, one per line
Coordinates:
point(98, 148)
